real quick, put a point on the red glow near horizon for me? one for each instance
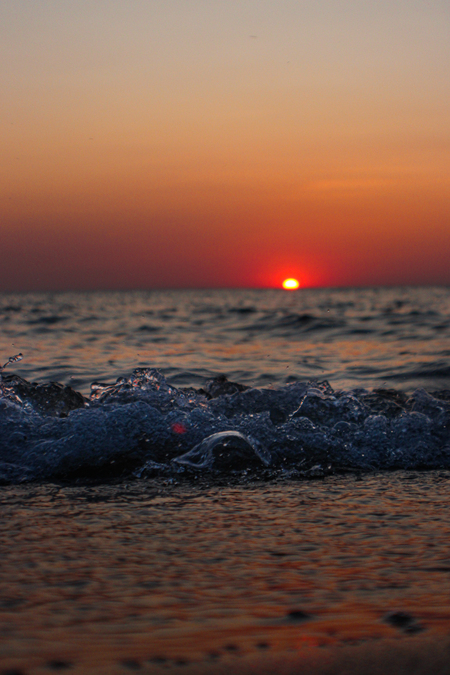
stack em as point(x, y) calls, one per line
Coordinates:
point(202, 174)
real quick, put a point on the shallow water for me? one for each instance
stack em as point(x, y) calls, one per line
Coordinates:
point(150, 575)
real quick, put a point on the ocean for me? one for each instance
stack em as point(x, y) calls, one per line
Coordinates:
point(226, 480)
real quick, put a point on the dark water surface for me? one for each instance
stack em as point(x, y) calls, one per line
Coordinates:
point(351, 337)
point(151, 576)
point(271, 522)
point(385, 405)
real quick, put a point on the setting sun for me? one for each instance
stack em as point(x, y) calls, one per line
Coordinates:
point(290, 284)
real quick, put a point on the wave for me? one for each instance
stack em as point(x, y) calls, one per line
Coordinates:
point(143, 426)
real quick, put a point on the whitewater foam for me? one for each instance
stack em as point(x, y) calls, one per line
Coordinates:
point(142, 425)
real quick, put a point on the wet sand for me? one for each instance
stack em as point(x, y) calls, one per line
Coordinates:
point(341, 575)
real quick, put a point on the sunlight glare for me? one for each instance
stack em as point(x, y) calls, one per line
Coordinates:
point(290, 284)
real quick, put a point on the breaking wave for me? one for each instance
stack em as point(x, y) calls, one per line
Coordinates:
point(143, 426)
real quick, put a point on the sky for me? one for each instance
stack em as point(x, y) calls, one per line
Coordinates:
point(224, 143)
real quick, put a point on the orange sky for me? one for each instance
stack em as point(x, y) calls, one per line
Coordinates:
point(192, 144)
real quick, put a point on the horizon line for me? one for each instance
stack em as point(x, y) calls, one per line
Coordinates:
point(140, 289)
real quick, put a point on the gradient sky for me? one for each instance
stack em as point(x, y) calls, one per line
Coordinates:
point(204, 143)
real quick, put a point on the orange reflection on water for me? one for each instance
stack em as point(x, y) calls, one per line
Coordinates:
point(148, 570)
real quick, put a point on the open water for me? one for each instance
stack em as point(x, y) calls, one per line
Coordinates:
point(352, 337)
point(215, 481)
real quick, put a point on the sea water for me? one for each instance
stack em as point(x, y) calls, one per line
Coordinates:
point(215, 480)
point(396, 337)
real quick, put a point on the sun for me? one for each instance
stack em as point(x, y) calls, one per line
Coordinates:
point(290, 284)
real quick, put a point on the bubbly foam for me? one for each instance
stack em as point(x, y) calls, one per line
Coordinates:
point(142, 425)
